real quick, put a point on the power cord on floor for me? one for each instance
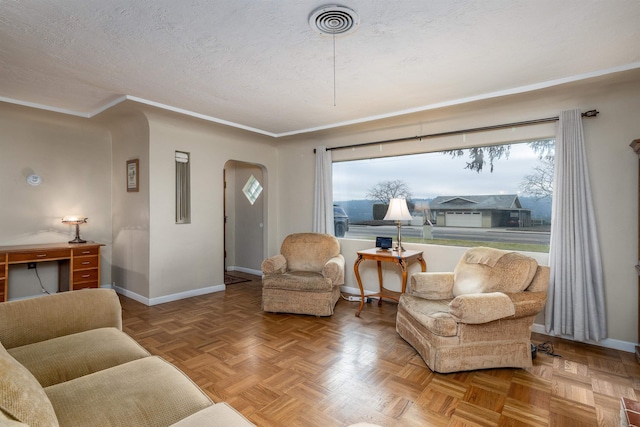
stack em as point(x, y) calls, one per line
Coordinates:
point(547, 348)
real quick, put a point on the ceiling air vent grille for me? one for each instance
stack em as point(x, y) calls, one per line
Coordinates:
point(334, 20)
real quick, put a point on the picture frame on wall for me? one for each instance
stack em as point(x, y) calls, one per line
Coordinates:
point(132, 175)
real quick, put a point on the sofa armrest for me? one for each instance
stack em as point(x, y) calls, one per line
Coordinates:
point(276, 264)
point(334, 270)
point(434, 286)
point(528, 303)
point(38, 319)
point(219, 414)
point(481, 308)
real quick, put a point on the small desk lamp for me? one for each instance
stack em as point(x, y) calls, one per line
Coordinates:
point(398, 211)
point(77, 220)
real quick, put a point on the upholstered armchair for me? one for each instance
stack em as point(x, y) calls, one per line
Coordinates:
point(305, 277)
point(477, 317)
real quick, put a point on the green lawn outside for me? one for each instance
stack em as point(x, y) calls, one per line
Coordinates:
point(524, 247)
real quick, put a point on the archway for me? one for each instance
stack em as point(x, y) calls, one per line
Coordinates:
point(244, 215)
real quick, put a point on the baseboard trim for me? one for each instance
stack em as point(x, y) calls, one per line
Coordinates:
point(168, 298)
point(607, 343)
point(245, 270)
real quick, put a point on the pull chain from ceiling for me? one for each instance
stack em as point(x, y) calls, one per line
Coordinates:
point(334, 69)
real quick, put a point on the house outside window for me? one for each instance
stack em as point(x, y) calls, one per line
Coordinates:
point(461, 197)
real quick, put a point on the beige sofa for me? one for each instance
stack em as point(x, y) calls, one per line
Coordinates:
point(306, 276)
point(478, 316)
point(64, 361)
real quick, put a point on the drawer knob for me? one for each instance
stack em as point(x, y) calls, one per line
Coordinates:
point(41, 255)
point(85, 262)
point(84, 276)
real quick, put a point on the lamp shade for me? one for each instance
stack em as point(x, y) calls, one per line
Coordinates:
point(398, 210)
point(74, 219)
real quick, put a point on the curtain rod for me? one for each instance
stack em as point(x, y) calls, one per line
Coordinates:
point(590, 113)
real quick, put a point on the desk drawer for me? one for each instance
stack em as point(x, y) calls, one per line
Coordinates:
point(85, 285)
point(84, 262)
point(84, 276)
point(34, 256)
point(86, 251)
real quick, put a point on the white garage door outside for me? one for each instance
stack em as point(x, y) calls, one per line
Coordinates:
point(463, 219)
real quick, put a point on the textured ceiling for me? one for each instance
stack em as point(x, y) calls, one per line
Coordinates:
point(258, 65)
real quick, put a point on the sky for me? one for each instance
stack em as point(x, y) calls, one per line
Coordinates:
point(430, 175)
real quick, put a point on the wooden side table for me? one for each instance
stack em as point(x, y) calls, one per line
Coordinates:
point(401, 258)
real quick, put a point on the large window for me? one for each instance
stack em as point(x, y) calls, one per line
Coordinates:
point(496, 196)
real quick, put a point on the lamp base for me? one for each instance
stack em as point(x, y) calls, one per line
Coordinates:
point(77, 239)
point(399, 247)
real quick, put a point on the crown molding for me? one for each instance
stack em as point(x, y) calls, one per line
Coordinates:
point(490, 95)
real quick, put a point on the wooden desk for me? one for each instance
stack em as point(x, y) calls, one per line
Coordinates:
point(78, 263)
point(402, 258)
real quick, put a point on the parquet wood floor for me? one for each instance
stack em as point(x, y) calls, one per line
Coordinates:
point(292, 370)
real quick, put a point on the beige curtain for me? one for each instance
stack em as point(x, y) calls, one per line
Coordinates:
point(323, 194)
point(575, 305)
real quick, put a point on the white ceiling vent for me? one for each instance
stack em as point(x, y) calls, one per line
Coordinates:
point(334, 20)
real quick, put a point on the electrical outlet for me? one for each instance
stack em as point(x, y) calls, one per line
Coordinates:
point(31, 265)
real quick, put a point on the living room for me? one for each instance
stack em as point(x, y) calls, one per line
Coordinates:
point(150, 258)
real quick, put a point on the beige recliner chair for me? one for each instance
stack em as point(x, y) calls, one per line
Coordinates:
point(477, 317)
point(305, 277)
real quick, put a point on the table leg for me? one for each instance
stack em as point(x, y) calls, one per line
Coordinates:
point(422, 264)
point(403, 268)
point(357, 273)
point(380, 282)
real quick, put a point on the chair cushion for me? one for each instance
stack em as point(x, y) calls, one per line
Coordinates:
point(22, 398)
point(433, 314)
point(72, 356)
point(145, 392)
point(432, 285)
point(309, 251)
point(482, 270)
point(298, 280)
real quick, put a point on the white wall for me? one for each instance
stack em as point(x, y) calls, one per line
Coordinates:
point(186, 258)
point(73, 157)
point(130, 134)
point(613, 166)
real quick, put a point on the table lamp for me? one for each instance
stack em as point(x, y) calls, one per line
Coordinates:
point(77, 220)
point(398, 211)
